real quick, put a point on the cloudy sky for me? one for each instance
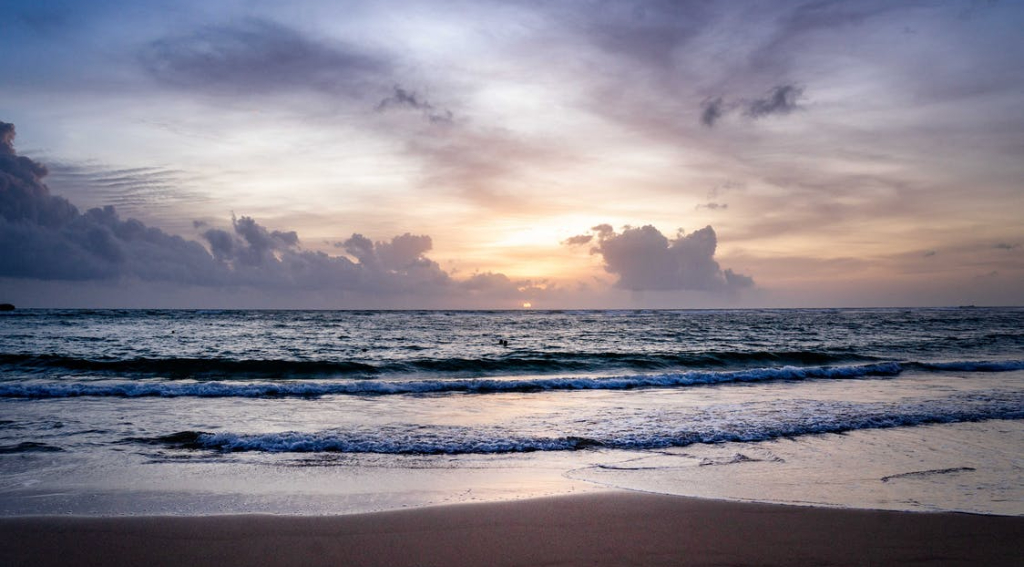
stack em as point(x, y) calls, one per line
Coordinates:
point(491, 154)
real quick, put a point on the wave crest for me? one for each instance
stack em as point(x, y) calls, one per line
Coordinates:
point(830, 417)
point(297, 388)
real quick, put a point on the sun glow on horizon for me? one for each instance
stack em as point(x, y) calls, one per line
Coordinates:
point(459, 164)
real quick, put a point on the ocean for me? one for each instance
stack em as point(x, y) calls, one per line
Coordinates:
point(129, 412)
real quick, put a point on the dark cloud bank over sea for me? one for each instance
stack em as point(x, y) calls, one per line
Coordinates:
point(47, 239)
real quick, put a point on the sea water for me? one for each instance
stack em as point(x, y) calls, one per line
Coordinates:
point(327, 412)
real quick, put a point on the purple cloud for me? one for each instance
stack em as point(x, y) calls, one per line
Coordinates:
point(645, 259)
point(257, 56)
point(47, 238)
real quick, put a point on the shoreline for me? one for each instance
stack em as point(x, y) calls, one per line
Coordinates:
point(602, 528)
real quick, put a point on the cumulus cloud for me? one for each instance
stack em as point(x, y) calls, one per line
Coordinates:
point(645, 259)
point(404, 251)
point(251, 244)
point(46, 238)
point(259, 257)
point(736, 281)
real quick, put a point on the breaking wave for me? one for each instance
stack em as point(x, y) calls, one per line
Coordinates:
point(376, 387)
point(705, 427)
point(512, 362)
point(299, 388)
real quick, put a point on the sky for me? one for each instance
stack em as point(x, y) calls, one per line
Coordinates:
point(512, 154)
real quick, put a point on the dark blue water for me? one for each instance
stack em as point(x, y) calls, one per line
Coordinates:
point(276, 345)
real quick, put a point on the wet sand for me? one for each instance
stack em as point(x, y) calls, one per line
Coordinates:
point(611, 528)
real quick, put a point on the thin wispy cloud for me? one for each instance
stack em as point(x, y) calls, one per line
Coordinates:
point(780, 100)
point(402, 98)
point(255, 57)
point(139, 190)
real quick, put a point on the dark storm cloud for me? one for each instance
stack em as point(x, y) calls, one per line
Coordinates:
point(46, 238)
point(402, 98)
point(644, 259)
point(258, 56)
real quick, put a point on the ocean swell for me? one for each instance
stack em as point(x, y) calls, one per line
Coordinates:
point(312, 388)
point(364, 363)
point(306, 388)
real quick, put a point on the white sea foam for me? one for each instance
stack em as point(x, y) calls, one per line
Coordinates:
point(316, 388)
point(714, 425)
point(371, 387)
point(975, 365)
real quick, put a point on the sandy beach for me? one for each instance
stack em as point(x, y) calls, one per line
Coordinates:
point(614, 528)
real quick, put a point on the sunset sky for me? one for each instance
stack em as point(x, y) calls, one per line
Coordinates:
point(491, 154)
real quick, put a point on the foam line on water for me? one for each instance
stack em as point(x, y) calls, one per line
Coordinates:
point(307, 388)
